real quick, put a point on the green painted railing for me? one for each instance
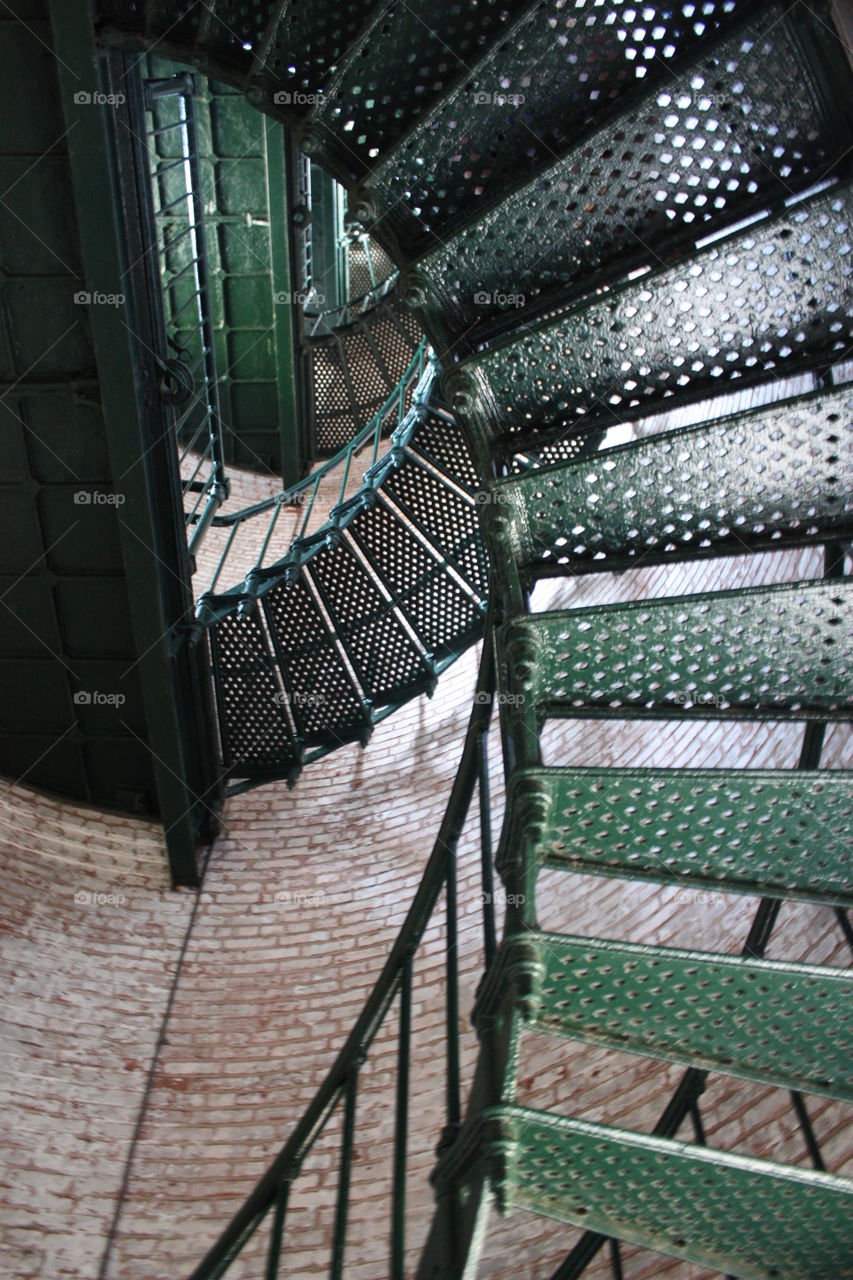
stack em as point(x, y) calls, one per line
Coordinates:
point(340, 1088)
point(304, 492)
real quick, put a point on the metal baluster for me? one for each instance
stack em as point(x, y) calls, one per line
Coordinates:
point(616, 1260)
point(808, 1131)
point(342, 1207)
point(275, 515)
point(277, 1231)
point(489, 938)
point(232, 535)
point(454, 1109)
point(398, 1203)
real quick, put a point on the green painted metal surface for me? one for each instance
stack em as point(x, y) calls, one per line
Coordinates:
point(727, 132)
point(242, 163)
point(724, 654)
point(752, 481)
point(785, 1024)
point(768, 300)
point(755, 831)
point(760, 1220)
point(380, 83)
point(474, 143)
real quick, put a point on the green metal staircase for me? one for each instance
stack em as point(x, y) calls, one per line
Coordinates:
point(603, 213)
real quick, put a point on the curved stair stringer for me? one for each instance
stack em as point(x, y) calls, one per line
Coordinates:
point(310, 652)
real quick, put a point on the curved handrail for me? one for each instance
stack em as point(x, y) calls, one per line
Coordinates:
point(349, 311)
point(420, 371)
point(440, 871)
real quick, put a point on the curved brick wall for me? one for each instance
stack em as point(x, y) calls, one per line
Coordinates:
point(268, 989)
point(90, 944)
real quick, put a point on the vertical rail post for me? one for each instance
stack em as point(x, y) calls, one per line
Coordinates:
point(277, 1231)
point(398, 1205)
point(342, 1207)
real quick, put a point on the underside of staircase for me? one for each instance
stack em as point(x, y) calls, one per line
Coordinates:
point(627, 233)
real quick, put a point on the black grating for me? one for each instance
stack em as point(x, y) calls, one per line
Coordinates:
point(407, 60)
point(348, 359)
point(723, 139)
point(384, 657)
point(445, 619)
point(539, 89)
point(776, 299)
point(308, 43)
point(322, 697)
point(439, 439)
point(252, 715)
point(236, 30)
point(450, 523)
point(371, 385)
point(361, 256)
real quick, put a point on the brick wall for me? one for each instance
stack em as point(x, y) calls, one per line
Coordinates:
point(89, 945)
point(268, 989)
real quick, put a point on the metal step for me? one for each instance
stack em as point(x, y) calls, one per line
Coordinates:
point(724, 141)
point(736, 1214)
point(257, 736)
point(322, 695)
point(301, 47)
point(400, 64)
point(767, 301)
point(447, 518)
point(445, 617)
point(524, 102)
point(763, 653)
point(355, 370)
point(769, 832)
point(386, 661)
point(782, 1024)
point(774, 477)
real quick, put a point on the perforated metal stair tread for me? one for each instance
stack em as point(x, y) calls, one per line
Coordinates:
point(725, 139)
point(321, 692)
point(764, 652)
point(407, 59)
point(386, 661)
point(356, 369)
point(783, 1024)
point(538, 87)
point(772, 299)
point(445, 618)
point(774, 832)
point(256, 734)
point(448, 521)
point(735, 1214)
point(774, 477)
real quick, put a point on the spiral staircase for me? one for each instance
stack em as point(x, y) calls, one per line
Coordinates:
point(608, 218)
